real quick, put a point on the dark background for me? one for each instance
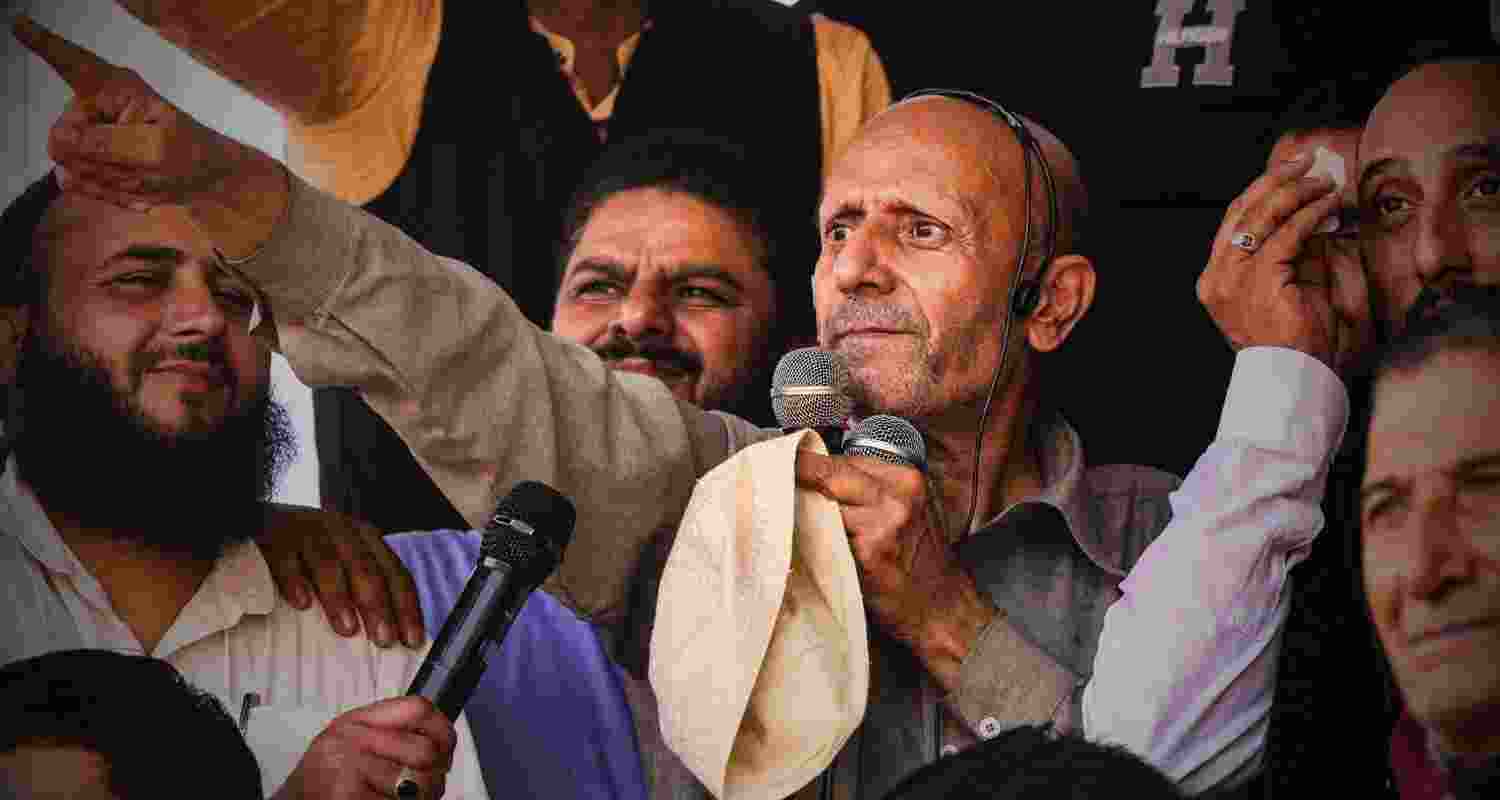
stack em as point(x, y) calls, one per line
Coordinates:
point(1144, 374)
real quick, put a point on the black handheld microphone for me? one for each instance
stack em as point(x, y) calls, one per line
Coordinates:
point(522, 545)
point(810, 389)
point(888, 438)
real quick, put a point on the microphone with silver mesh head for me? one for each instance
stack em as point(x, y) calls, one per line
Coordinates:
point(810, 389)
point(890, 439)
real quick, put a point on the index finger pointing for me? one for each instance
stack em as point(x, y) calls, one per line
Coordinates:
point(83, 71)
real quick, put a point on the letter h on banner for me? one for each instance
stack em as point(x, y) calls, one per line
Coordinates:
point(1217, 37)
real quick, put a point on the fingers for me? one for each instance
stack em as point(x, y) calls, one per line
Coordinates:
point(837, 478)
point(326, 558)
point(1274, 178)
point(400, 587)
point(370, 581)
point(1288, 239)
point(1265, 219)
point(83, 71)
point(408, 715)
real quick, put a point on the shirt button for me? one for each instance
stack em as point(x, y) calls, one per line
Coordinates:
point(948, 750)
point(989, 727)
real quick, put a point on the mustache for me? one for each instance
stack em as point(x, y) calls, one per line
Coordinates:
point(1471, 295)
point(619, 348)
point(860, 314)
point(209, 352)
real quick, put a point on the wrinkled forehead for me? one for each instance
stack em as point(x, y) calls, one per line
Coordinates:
point(1433, 112)
point(83, 233)
point(1436, 415)
point(941, 144)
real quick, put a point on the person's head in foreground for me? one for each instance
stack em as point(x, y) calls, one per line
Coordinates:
point(131, 340)
point(1037, 763)
point(99, 725)
point(1430, 523)
point(922, 220)
point(670, 268)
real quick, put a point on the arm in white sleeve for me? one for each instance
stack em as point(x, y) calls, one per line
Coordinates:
point(1186, 666)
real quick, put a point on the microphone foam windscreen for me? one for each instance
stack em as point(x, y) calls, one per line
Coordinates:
point(888, 438)
point(810, 389)
point(539, 506)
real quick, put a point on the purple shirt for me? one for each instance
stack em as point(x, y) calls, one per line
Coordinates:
point(549, 716)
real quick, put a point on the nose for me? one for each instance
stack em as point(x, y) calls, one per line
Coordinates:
point(859, 265)
point(1441, 251)
point(644, 314)
point(192, 311)
point(1439, 558)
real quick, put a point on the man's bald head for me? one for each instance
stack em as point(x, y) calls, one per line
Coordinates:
point(995, 134)
point(922, 219)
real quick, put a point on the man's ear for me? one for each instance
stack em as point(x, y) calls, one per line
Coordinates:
point(1067, 291)
point(15, 321)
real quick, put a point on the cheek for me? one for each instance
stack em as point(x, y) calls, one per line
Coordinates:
point(1487, 252)
point(116, 338)
point(584, 323)
point(725, 340)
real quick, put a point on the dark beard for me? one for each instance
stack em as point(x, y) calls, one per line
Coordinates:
point(87, 453)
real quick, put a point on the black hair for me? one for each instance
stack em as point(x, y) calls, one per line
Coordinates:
point(718, 172)
point(159, 735)
point(1037, 763)
point(23, 280)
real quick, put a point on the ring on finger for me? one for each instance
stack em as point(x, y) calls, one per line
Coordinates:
point(1244, 240)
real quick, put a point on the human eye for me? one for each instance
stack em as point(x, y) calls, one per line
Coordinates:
point(836, 232)
point(1381, 511)
point(698, 295)
point(926, 232)
point(1484, 187)
point(1389, 209)
point(596, 289)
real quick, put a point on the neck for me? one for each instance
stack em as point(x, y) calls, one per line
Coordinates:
point(1010, 469)
point(590, 19)
point(148, 588)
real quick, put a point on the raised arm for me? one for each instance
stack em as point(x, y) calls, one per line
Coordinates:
point(1185, 671)
point(482, 396)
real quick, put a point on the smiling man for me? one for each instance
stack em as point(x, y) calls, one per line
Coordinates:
point(1430, 530)
point(669, 270)
point(145, 445)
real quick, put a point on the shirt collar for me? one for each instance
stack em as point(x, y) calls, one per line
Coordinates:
point(32, 528)
point(1064, 488)
point(240, 582)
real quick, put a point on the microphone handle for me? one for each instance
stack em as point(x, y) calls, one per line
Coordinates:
point(450, 672)
point(832, 435)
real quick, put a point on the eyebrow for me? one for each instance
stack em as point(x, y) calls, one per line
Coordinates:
point(1481, 461)
point(613, 270)
point(710, 271)
point(1470, 464)
point(1386, 485)
point(150, 252)
point(1474, 151)
point(617, 271)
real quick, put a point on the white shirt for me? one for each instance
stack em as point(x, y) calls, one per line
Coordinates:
point(236, 636)
point(1186, 667)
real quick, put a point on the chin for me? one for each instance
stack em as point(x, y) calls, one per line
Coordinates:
point(1448, 695)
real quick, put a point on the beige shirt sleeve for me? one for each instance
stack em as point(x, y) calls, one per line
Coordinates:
point(482, 397)
point(851, 83)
